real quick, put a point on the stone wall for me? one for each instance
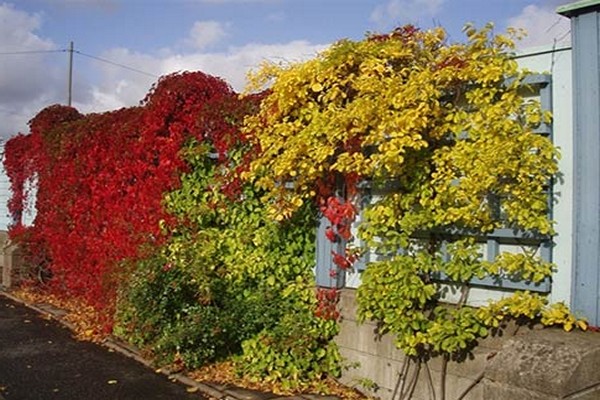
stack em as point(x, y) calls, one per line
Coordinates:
point(545, 364)
point(518, 363)
point(12, 267)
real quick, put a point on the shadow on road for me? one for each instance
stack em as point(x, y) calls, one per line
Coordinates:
point(39, 360)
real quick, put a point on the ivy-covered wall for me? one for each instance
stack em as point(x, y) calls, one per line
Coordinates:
point(379, 362)
point(190, 221)
point(457, 150)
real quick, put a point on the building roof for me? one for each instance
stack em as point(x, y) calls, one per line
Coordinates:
point(578, 7)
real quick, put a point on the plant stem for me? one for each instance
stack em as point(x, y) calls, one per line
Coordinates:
point(400, 379)
point(413, 382)
point(430, 381)
point(443, 377)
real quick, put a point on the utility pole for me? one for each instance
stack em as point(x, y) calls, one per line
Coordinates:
point(70, 83)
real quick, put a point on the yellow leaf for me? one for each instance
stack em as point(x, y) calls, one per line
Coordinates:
point(112, 382)
point(192, 389)
point(316, 87)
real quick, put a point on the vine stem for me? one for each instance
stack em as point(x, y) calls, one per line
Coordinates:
point(401, 379)
point(464, 295)
point(430, 381)
point(443, 377)
point(413, 382)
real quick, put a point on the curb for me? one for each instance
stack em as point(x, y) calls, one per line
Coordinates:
point(121, 348)
point(227, 393)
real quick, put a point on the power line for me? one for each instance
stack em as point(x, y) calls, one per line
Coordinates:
point(9, 112)
point(11, 53)
point(104, 60)
point(72, 51)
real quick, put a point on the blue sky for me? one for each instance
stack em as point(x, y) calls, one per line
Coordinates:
point(220, 37)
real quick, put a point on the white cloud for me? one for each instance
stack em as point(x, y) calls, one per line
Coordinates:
point(405, 11)
point(206, 33)
point(543, 26)
point(17, 30)
point(31, 80)
point(234, 64)
point(119, 87)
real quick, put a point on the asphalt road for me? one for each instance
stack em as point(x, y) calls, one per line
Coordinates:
point(39, 360)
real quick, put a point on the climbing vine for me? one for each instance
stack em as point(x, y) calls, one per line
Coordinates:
point(101, 179)
point(232, 283)
point(200, 235)
point(442, 138)
point(142, 213)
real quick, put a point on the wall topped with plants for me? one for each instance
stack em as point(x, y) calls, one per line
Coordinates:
point(189, 221)
point(446, 125)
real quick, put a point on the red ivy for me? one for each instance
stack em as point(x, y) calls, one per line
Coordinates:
point(101, 177)
point(327, 301)
point(341, 214)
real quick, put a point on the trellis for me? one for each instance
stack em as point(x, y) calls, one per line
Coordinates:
point(328, 275)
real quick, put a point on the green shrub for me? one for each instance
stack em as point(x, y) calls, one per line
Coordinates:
point(161, 311)
point(229, 281)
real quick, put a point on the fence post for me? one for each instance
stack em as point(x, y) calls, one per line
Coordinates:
point(585, 33)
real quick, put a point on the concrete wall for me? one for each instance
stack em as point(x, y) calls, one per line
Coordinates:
point(12, 268)
point(377, 359)
point(518, 363)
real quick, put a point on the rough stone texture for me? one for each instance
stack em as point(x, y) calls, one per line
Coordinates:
point(517, 363)
point(591, 394)
point(550, 362)
point(496, 391)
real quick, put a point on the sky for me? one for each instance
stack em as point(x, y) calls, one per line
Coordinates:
point(122, 47)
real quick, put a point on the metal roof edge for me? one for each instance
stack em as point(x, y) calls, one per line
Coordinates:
point(578, 7)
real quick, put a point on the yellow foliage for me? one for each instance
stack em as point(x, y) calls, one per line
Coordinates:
point(447, 126)
point(379, 106)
